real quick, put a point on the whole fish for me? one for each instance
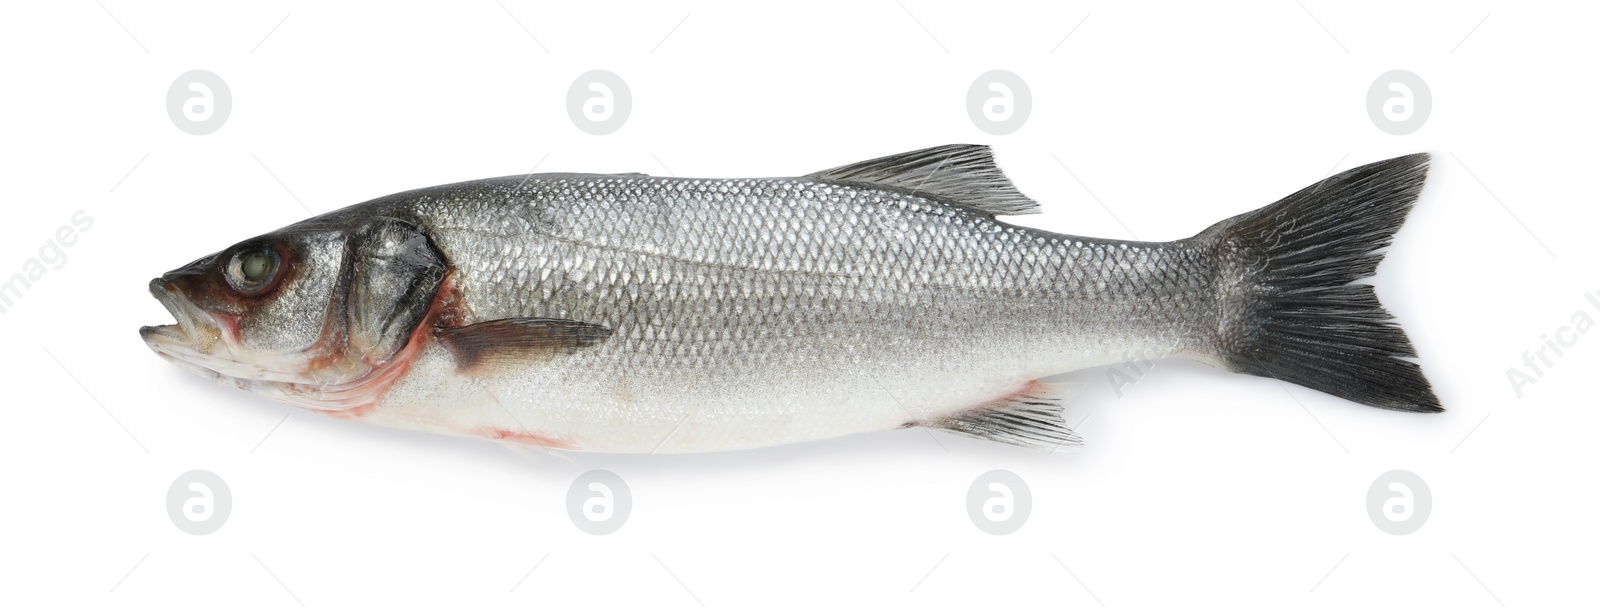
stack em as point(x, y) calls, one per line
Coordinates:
point(640, 314)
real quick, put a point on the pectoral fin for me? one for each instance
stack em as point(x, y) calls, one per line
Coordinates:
point(518, 340)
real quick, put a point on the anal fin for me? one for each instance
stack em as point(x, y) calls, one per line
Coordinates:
point(1030, 417)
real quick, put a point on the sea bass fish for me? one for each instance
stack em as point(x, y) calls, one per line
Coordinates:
point(638, 314)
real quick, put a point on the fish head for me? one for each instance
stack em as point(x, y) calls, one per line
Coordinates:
point(320, 314)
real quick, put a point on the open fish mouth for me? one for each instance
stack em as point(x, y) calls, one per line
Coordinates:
point(196, 343)
point(174, 342)
point(178, 306)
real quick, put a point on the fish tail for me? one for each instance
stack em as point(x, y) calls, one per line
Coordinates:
point(1290, 307)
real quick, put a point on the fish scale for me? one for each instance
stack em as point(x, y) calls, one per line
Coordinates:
point(630, 313)
point(972, 288)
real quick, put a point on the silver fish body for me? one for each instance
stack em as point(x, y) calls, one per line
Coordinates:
point(658, 315)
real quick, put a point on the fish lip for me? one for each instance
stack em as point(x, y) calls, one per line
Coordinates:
point(171, 344)
point(180, 333)
point(151, 332)
point(158, 290)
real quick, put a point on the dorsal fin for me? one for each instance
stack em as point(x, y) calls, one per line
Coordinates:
point(962, 174)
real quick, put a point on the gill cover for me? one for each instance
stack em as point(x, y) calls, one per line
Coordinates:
point(394, 274)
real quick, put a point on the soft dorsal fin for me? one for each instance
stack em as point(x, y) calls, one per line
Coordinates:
point(962, 174)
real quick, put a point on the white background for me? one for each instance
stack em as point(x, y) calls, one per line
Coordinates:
point(1194, 483)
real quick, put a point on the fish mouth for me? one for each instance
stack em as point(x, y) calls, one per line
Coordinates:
point(183, 313)
point(175, 343)
point(198, 343)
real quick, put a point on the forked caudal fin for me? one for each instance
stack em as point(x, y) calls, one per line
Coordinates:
point(1290, 308)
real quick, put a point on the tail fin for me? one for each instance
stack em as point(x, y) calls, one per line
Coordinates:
point(1291, 311)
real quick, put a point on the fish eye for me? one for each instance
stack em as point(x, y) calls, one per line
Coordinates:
point(252, 269)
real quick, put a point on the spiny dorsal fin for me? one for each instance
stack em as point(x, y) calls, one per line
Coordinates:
point(1031, 418)
point(962, 174)
point(518, 340)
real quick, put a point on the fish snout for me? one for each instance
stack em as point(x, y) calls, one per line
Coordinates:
point(193, 269)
